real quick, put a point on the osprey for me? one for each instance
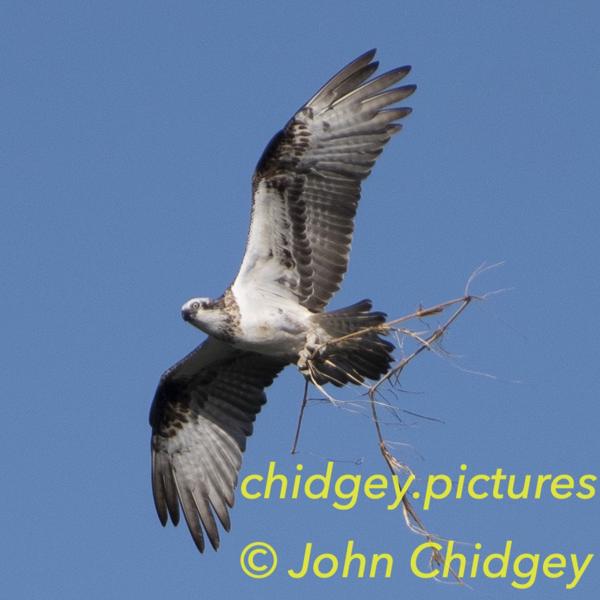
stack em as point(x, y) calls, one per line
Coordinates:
point(306, 189)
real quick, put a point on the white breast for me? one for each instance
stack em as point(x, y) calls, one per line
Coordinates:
point(270, 324)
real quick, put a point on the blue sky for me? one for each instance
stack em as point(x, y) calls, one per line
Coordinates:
point(130, 132)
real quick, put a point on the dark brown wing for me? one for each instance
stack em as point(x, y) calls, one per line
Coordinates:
point(307, 184)
point(202, 413)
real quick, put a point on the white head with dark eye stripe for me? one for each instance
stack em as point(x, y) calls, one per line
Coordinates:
point(205, 314)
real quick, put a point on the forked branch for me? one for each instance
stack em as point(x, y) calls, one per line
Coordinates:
point(424, 341)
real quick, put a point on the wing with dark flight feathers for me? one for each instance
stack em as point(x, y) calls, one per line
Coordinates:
point(306, 186)
point(202, 413)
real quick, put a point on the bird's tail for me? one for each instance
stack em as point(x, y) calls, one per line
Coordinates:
point(352, 350)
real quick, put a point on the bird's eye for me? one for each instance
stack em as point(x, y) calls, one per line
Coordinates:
point(195, 305)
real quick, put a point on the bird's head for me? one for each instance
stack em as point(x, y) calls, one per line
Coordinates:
point(206, 314)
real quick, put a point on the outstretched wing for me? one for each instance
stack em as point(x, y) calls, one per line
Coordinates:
point(202, 413)
point(307, 184)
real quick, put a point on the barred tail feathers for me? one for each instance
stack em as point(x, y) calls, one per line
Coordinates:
point(354, 358)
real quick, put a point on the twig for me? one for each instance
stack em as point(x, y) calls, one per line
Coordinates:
point(302, 407)
point(411, 518)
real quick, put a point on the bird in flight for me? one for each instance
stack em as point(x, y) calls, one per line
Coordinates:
point(305, 191)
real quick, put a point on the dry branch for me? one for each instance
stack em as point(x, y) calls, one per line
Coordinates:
point(429, 340)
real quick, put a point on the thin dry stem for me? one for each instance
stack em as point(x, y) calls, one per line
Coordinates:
point(392, 377)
